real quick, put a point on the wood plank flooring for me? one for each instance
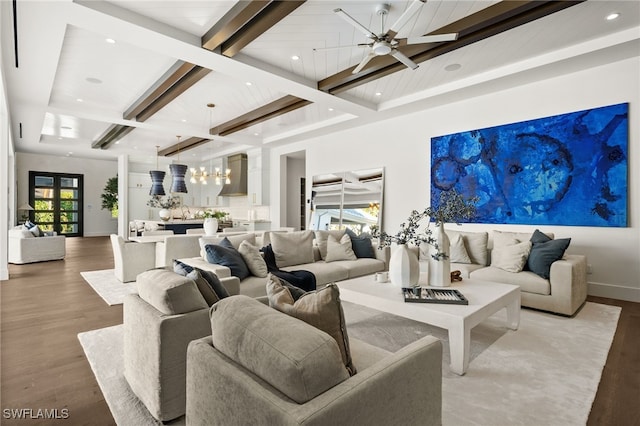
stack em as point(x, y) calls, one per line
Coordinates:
point(45, 305)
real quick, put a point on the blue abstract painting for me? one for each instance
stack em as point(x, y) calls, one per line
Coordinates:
point(568, 169)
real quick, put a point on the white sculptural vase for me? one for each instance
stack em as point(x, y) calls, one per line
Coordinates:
point(440, 270)
point(210, 226)
point(165, 214)
point(404, 269)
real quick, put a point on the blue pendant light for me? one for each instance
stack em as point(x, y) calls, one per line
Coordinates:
point(157, 179)
point(178, 172)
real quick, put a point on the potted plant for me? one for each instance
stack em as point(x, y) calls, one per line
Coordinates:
point(110, 196)
point(211, 218)
point(403, 267)
point(166, 204)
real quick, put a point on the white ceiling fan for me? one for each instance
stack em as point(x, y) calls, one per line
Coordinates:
point(385, 43)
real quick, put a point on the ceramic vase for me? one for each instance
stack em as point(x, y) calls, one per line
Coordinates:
point(210, 226)
point(404, 269)
point(440, 270)
point(165, 214)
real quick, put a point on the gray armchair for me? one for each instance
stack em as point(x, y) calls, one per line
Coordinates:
point(261, 374)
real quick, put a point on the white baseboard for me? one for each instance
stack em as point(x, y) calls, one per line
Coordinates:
point(629, 294)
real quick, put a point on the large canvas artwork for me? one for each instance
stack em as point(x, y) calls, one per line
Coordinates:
point(568, 169)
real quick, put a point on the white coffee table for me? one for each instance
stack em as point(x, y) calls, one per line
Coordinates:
point(485, 299)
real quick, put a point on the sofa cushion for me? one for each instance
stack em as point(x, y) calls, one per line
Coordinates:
point(457, 251)
point(339, 249)
point(512, 256)
point(320, 308)
point(526, 280)
point(544, 252)
point(325, 273)
point(169, 292)
point(361, 244)
point(295, 358)
point(254, 260)
point(292, 248)
point(363, 266)
point(226, 255)
point(476, 245)
point(323, 236)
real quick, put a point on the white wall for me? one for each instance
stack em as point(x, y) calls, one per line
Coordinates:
point(97, 222)
point(402, 146)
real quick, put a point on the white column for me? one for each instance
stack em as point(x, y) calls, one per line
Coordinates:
point(123, 196)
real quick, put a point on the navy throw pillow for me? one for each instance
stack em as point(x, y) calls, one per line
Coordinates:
point(543, 254)
point(361, 245)
point(214, 282)
point(229, 257)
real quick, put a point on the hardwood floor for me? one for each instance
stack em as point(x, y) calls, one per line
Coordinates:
point(45, 305)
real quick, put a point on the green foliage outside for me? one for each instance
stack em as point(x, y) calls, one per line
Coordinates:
point(110, 196)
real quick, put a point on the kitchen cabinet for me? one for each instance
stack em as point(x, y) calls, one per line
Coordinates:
point(258, 177)
point(139, 185)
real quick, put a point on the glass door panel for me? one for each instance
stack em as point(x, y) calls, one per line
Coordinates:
point(57, 201)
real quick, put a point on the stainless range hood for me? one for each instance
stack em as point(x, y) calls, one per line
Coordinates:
point(237, 164)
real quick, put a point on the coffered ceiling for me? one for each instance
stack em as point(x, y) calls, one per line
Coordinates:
point(277, 72)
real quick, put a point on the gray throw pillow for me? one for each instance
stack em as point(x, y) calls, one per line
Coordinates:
point(292, 248)
point(320, 308)
point(321, 240)
point(254, 260)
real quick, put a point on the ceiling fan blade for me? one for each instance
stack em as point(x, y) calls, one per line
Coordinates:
point(344, 15)
point(404, 18)
point(404, 59)
point(318, 49)
point(364, 62)
point(432, 38)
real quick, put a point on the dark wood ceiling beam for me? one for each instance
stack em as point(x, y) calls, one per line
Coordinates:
point(111, 135)
point(185, 145)
point(171, 77)
point(271, 110)
point(236, 18)
point(488, 22)
point(273, 13)
point(185, 82)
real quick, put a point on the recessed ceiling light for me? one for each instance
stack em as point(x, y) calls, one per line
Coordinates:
point(184, 120)
point(612, 16)
point(330, 109)
point(256, 134)
point(80, 100)
point(93, 80)
point(295, 57)
point(110, 40)
point(117, 142)
point(248, 83)
point(378, 93)
point(452, 67)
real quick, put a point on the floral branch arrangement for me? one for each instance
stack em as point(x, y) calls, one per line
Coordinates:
point(452, 207)
point(216, 214)
point(168, 202)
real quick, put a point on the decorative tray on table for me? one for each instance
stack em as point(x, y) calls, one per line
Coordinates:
point(433, 295)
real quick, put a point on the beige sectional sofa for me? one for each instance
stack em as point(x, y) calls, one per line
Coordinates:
point(324, 271)
point(564, 292)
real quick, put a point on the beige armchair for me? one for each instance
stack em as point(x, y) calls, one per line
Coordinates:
point(263, 367)
point(156, 335)
point(131, 258)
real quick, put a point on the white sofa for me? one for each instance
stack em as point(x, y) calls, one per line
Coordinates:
point(564, 292)
point(325, 272)
point(24, 247)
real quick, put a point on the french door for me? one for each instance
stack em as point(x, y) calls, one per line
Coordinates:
point(57, 202)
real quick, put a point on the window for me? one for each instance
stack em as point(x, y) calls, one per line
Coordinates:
point(57, 202)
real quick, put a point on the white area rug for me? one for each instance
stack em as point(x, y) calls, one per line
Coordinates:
point(105, 283)
point(547, 372)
